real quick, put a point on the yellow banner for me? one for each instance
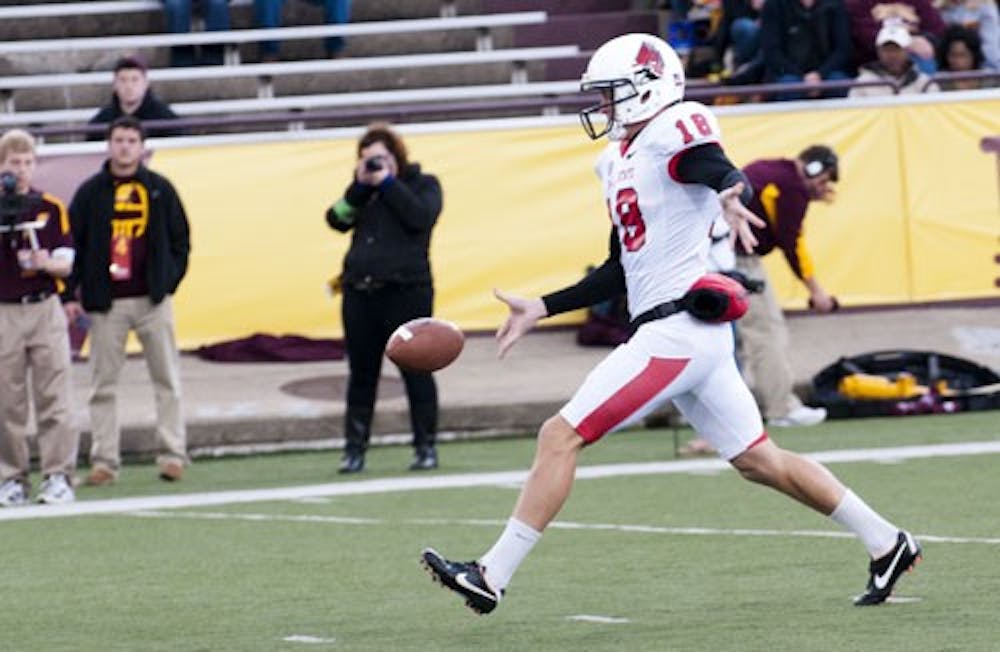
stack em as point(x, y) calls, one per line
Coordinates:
point(916, 216)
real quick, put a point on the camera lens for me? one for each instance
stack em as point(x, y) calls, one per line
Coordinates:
point(374, 164)
point(8, 182)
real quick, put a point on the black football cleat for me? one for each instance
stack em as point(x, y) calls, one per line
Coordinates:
point(425, 459)
point(886, 570)
point(464, 578)
point(352, 463)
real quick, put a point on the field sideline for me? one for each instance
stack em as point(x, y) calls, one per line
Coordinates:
point(268, 553)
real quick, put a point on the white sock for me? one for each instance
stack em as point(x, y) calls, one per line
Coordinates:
point(502, 560)
point(878, 534)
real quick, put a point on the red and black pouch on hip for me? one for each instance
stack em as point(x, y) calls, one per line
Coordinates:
point(714, 298)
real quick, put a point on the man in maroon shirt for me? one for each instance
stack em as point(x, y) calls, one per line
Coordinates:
point(36, 251)
point(783, 189)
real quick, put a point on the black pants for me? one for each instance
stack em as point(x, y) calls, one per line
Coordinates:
point(370, 317)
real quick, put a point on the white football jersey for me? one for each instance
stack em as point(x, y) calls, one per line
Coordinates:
point(663, 225)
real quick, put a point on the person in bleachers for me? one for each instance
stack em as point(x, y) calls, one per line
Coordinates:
point(920, 16)
point(893, 66)
point(739, 29)
point(805, 41)
point(267, 14)
point(178, 14)
point(131, 95)
point(960, 50)
point(982, 17)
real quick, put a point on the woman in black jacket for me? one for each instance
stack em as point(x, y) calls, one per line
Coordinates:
point(391, 207)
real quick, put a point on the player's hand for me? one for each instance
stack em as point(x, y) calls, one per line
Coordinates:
point(524, 314)
point(739, 217)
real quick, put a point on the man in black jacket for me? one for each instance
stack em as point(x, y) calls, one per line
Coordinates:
point(131, 95)
point(392, 207)
point(132, 244)
point(805, 41)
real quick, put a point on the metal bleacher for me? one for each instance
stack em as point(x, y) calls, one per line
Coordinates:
point(251, 88)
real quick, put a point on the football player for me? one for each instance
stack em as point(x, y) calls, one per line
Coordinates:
point(665, 179)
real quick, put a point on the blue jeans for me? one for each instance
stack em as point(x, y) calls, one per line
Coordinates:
point(178, 15)
point(745, 34)
point(267, 14)
point(797, 95)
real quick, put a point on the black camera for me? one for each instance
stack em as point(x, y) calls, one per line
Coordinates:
point(375, 163)
point(11, 204)
point(8, 183)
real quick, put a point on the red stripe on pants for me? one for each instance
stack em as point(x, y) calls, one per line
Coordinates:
point(659, 373)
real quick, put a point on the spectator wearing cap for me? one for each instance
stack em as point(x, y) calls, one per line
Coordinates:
point(894, 66)
point(921, 18)
point(805, 41)
point(132, 96)
point(782, 190)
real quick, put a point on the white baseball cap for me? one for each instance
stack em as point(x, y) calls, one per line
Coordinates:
point(894, 32)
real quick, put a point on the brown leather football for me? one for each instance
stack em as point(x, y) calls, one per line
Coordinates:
point(425, 344)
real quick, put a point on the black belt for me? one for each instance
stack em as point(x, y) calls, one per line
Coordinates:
point(34, 297)
point(657, 312)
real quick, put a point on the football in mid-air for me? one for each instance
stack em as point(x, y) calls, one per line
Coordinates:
point(425, 344)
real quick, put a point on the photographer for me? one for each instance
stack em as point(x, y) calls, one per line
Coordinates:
point(391, 207)
point(36, 250)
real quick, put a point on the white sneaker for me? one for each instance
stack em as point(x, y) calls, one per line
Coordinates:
point(12, 493)
point(56, 490)
point(800, 416)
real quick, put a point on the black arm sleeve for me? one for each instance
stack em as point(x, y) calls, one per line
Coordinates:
point(708, 165)
point(603, 283)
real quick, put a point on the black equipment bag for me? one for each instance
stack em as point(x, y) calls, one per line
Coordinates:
point(970, 386)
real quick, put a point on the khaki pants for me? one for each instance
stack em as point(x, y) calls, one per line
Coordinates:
point(33, 337)
point(763, 345)
point(154, 325)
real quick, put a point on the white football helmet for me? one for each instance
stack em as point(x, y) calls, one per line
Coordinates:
point(637, 75)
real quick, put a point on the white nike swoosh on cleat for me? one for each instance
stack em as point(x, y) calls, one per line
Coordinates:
point(880, 581)
point(466, 584)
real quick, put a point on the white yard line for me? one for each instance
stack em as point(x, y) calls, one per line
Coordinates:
point(460, 481)
point(558, 525)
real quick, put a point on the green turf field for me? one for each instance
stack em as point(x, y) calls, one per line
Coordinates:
point(667, 561)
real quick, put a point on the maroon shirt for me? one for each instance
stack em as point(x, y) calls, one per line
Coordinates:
point(129, 239)
point(865, 26)
point(780, 197)
point(16, 282)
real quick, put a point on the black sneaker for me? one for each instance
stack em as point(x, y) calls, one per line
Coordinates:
point(425, 459)
point(464, 578)
point(886, 570)
point(352, 463)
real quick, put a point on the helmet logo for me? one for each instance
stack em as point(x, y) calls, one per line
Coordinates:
point(650, 58)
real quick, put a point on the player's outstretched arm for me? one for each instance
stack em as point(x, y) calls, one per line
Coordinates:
point(739, 217)
point(524, 314)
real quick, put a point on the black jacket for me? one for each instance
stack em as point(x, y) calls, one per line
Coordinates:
point(392, 228)
point(168, 242)
point(796, 40)
point(152, 108)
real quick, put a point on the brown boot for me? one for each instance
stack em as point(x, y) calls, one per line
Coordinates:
point(171, 471)
point(100, 476)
